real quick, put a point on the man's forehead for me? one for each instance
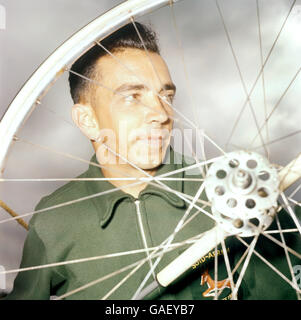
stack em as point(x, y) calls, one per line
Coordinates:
point(129, 61)
point(130, 69)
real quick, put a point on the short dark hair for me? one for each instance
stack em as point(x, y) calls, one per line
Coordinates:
point(125, 37)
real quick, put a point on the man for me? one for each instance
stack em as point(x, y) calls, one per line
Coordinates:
point(123, 95)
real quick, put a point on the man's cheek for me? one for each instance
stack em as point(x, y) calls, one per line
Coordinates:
point(104, 155)
point(122, 132)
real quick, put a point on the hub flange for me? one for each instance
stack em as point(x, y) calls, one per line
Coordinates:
point(243, 188)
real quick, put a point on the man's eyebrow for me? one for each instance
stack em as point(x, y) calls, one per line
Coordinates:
point(168, 86)
point(130, 87)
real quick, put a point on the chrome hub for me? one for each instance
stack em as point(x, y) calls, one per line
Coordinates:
point(243, 188)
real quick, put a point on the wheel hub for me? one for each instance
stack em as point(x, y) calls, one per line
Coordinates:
point(243, 188)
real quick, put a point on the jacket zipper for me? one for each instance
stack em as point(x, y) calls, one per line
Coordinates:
point(142, 233)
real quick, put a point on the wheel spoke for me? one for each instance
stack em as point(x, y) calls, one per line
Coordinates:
point(290, 173)
point(112, 274)
point(97, 179)
point(148, 86)
point(192, 124)
point(66, 179)
point(234, 270)
point(188, 121)
point(268, 143)
point(145, 49)
point(278, 139)
point(215, 271)
point(295, 191)
point(155, 249)
point(107, 256)
point(57, 115)
point(120, 283)
point(289, 263)
point(67, 203)
point(291, 211)
point(276, 106)
point(271, 266)
point(171, 238)
point(240, 73)
point(122, 95)
point(227, 262)
point(267, 235)
point(179, 194)
point(107, 192)
point(181, 50)
point(82, 260)
point(154, 255)
point(262, 76)
point(193, 166)
point(260, 72)
point(245, 266)
point(295, 202)
point(68, 155)
point(184, 195)
point(283, 231)
point(99, 280)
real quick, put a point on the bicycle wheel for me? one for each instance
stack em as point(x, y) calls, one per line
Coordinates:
point(34, 91)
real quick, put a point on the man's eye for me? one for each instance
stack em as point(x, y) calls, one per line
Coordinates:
point(132, 97)
point(168, 98)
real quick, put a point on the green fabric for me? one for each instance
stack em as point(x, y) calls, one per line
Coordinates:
point(108, 224)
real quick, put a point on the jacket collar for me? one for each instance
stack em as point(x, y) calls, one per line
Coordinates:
point(106, 203)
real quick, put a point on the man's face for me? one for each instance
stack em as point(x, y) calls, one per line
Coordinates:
point(135, 119)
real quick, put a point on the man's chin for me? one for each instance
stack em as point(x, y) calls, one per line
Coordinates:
point(146, 160)
point(147, 164)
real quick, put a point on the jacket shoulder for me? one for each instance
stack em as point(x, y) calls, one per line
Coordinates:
point(56, 207)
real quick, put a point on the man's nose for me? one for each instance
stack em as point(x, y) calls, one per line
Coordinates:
point(156, 109)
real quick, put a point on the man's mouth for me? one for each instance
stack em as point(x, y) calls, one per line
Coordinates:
point(156, 138)
point(151, 140)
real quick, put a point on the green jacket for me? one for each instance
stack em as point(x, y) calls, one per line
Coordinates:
point(112, 223)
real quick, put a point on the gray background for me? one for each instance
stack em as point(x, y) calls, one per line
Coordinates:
point(34, 28)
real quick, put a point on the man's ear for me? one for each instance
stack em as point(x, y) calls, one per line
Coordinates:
point(85, 119)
